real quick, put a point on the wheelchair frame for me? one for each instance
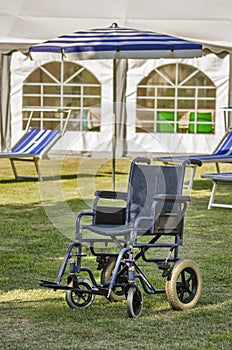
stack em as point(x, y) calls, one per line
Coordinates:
point(120, 271)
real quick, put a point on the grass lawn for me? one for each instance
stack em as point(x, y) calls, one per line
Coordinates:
point(37, 225)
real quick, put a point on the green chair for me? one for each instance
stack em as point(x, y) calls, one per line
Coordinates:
point(202, 118)
point(163, 122)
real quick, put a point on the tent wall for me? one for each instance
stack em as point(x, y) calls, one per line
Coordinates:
point(25, 23)
point(22, 66)
point(216, 68)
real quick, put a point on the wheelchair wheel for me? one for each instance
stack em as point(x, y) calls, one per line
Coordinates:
point(183, 287)
point(134, 301)
point(118, 294)
point(80, 299)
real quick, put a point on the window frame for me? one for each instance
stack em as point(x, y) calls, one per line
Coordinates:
point(80, 116)
point(175, 125)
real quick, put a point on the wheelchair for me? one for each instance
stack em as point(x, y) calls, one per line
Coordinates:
point(119, 237)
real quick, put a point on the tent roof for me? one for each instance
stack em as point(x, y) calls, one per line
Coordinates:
point(26, 22)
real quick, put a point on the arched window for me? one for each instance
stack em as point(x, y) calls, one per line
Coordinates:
point(63, 85)
point(176, 98)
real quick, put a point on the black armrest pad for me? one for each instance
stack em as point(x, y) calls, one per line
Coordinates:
point(111, 194)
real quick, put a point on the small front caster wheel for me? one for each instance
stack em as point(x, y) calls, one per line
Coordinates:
point(183, 286)
point(82, 298)
point(134, 301)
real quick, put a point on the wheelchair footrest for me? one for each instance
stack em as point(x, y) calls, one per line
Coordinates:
point(53, 285)
point(156, 245)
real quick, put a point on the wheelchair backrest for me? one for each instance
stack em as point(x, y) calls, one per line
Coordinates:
point(146, 181)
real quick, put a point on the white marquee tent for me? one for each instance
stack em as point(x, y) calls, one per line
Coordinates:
point(27, 22)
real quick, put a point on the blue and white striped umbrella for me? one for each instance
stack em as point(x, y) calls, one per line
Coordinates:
point(114, 42)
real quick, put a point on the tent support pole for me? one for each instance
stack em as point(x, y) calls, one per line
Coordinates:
point(230, 93)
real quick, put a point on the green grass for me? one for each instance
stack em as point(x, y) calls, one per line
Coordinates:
point(37, 223)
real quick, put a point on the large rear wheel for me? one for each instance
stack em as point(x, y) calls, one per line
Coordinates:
point(118, 293)
point(183, 286)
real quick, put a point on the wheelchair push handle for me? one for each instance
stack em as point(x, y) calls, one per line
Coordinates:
point(192, 161)
point(196, 162)
point(142, 160)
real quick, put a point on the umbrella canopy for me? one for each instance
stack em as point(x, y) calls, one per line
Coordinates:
point(114, 43)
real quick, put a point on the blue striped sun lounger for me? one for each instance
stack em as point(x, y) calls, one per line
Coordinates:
point(33, 146)
point(222, 154)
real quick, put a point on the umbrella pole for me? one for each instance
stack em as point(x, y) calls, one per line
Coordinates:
point(114, 136)
point(119, 112)
point(113, 161)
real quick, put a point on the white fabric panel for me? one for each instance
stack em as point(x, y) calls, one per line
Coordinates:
point(22, 66)
point(216, 69)
point(26, 22)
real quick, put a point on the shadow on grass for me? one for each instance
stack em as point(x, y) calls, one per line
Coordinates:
point(200, 185)
point(11, 181)
point(50, 178)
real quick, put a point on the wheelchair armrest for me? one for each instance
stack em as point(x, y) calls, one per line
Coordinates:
point(111, 194)
point(85, 213)
point(80, 215)
point(171, 198)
